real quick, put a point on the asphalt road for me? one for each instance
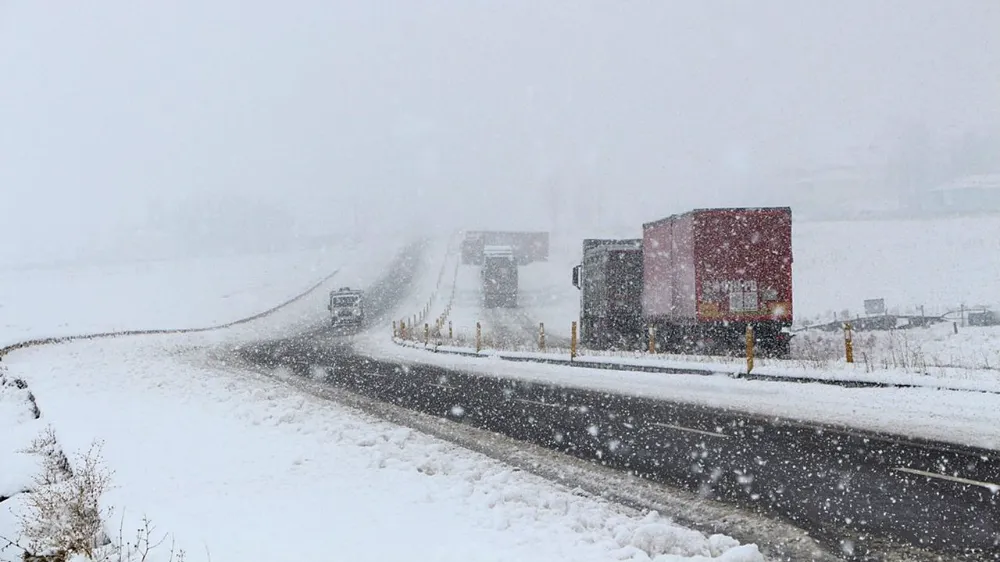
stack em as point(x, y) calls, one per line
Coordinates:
point(862, 494)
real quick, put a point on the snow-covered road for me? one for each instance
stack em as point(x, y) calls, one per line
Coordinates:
point(964, 418)
point(237, 466)
point(246, 468)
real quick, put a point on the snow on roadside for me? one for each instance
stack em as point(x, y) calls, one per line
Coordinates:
point(245, 468)
point(20, 427)
point(939, 349)
point(155, 295)
point(960, 417)
point(17, 467)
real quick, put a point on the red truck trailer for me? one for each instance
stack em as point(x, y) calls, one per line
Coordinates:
point(709, 273)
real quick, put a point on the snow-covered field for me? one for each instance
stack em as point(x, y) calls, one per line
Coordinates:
point(939, 264)
point(46, 302)
point(239, 466)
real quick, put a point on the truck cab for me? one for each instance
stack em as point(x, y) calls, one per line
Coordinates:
point(346, 308)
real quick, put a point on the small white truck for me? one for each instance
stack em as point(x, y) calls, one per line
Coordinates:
point(346, 308)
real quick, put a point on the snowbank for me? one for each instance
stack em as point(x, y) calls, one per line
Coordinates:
point(20, 427)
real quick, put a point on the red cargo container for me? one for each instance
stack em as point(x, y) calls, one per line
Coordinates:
point(710, 272)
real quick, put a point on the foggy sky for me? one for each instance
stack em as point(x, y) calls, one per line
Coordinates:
point(117, 118)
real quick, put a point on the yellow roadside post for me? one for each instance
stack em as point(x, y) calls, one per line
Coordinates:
point(750, 343)
point(572, 341)
point(848, 342)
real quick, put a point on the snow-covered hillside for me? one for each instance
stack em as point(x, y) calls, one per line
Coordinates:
point(44, 302)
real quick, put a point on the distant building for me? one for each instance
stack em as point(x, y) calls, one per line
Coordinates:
point(964, 195)
point(833, 193)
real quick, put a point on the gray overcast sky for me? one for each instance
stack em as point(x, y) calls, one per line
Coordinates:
point(465, 112)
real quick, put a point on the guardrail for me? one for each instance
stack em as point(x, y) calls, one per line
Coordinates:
point(651, 364)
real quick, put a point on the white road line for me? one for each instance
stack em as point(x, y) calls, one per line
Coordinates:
point(442, 386)
point(691, 430)
point(525, 401)
point(991, 487)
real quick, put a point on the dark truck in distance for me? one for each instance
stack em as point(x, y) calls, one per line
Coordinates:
point(610, 283)
point(706, 275)
point(346, 308)
point(499, 277)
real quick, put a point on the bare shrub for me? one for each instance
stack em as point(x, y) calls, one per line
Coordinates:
point(55, 465)
point(63, 515)
point(63, 518)
point(141, 547)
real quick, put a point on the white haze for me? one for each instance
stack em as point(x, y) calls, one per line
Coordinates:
point(185, 126)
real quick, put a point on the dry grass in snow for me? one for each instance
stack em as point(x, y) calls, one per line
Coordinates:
point(62, 518)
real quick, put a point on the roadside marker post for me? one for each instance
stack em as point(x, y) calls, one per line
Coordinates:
point(572, 341)
point(848, 342)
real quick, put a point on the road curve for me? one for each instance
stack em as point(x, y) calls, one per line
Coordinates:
point(868, 495)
